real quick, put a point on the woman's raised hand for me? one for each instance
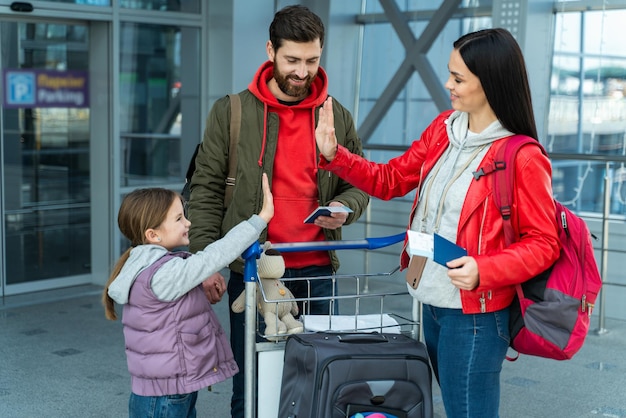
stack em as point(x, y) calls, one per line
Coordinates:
point(325, 131)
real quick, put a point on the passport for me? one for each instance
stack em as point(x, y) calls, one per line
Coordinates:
point(325, 211)
point(445, 250)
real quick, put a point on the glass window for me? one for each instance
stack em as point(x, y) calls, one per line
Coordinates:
point(188, 6)
point(587, 106)
point(46, 141)
point(150, 102)
point(87, 2)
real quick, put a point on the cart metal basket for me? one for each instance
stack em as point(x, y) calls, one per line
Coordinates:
point(363, 311)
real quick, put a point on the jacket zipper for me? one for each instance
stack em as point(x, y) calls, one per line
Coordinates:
point(483, 307)
point(483, 301)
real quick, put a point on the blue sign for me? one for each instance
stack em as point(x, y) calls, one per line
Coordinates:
point(45, 88)
point(20, 88)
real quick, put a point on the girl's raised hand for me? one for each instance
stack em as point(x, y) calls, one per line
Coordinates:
point(325, 131)
point(267, 211)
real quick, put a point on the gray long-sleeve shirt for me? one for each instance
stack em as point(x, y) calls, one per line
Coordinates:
point(178, 276)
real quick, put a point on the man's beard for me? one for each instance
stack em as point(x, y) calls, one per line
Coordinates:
point(289, 89)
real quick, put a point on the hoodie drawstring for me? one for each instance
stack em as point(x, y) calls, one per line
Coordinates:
point(260, 162)
point(314, 143)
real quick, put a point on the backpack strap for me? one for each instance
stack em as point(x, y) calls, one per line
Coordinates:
point(235, 126)
point(504, 179)
point(186, 192)
point(192, 165)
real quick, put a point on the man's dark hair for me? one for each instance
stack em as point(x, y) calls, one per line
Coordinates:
point(296, 23)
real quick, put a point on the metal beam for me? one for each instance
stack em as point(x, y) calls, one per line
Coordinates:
point(424, 15)
point(415, 60)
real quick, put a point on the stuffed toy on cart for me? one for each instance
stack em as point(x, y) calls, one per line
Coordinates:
point(280, 309)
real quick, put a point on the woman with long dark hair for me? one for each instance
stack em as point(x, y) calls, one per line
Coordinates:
point(466, 303)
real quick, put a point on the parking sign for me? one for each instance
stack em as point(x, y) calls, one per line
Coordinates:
point(37, 87)
point(20, 88)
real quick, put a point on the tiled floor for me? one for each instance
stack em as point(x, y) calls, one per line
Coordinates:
point(59, 357)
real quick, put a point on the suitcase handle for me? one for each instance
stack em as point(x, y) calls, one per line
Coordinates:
point(362, 338)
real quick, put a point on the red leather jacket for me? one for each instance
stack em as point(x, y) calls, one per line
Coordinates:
point(480, 223)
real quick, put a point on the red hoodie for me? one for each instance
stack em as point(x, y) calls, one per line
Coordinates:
point(294, 183)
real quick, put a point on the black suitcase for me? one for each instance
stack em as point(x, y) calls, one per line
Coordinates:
point(337, 375)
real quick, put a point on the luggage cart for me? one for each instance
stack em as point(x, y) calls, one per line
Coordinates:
point(271, 352)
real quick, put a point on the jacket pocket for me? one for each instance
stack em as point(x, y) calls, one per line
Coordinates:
point(200, 353)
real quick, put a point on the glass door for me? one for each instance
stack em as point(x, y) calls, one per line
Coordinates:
point(45, 149)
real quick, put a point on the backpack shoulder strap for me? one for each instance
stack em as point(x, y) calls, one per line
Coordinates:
point(235, 126)
point(504, 179)
point(192, 165)
point(186, 192)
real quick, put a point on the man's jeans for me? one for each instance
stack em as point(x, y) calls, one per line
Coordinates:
point(169, 406)
point(319, 288)
point(466, 352)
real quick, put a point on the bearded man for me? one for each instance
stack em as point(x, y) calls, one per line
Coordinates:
point(279, 112)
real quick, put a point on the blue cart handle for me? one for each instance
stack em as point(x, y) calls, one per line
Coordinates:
point(254, 251)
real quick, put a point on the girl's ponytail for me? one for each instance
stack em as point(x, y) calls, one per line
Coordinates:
point(107, 302)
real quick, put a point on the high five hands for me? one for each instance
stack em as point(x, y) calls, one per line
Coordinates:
point(463, 271)
point(325, 131)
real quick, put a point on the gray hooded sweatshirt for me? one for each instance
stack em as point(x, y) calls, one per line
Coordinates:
point(178, 276)
point(441, 199)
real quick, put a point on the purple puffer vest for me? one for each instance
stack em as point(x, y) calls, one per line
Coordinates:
point(173, 347)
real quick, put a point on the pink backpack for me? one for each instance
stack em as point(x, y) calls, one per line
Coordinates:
point(550, 314)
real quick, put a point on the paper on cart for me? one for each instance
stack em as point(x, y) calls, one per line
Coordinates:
point(367, 323)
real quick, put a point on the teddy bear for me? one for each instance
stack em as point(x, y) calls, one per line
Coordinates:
point(279, 316)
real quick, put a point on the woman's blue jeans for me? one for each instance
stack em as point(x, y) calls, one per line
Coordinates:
point(466, 352)
point(168, 406)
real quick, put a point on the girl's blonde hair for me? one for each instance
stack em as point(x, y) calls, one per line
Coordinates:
point(140, 210)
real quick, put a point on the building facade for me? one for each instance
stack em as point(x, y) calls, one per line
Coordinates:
point(101, 97)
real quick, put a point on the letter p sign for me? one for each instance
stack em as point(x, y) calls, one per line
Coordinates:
point(20, 88)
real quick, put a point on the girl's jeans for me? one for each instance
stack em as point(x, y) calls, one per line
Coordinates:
point(168, 406)
point(466, 352)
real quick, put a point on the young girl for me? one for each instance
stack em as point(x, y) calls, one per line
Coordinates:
point(174, 342)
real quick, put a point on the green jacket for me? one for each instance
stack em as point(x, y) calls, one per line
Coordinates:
point(209, 219)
